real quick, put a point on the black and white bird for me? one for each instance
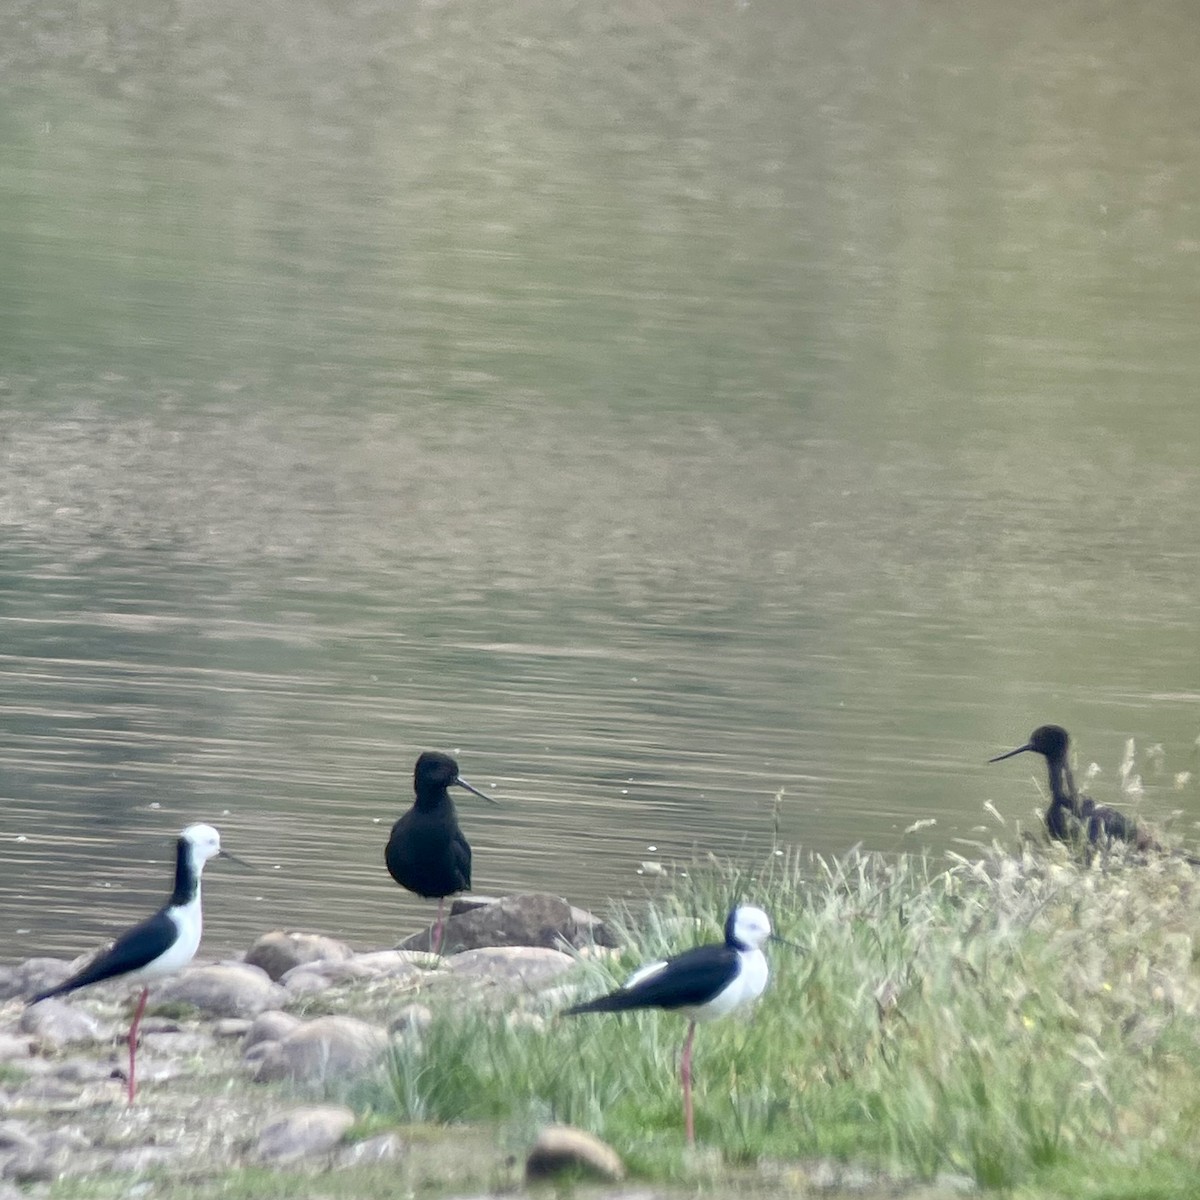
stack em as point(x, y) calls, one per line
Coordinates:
point(700, 984)
point(161, 944)
point(426, 852)
point(1072, 816)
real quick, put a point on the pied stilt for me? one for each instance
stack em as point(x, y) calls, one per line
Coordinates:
point(703, 983)
point(161, 944)
point(427, 853)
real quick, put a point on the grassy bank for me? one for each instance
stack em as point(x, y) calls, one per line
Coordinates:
point(1028, 1022)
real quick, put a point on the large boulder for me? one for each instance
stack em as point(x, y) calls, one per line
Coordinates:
point(323, 973)
point(54, 1022)
point(323, 1049)
point(400, 964)
point(14, 1047)
point(271, 1026)
point(511, 966)
point(32, 976)
point(314, 1129)
point(279, 951)
point(529, 919)
point(223, 990)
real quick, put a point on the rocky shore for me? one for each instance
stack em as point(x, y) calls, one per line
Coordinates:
point(240, 1059)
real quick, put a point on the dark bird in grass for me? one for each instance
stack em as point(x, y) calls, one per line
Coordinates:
point(161, 944)
point(1072, 816)
point(701, 984)
point(427, 853)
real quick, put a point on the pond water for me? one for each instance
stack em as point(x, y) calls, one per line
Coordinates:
point(657, 406)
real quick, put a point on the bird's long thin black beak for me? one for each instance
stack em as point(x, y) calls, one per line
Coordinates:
point(774, 937)
point(1010, 753)
point(241, 862)
point(482, 795)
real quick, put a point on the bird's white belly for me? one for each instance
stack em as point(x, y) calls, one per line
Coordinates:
point(181, 952)
point(748, 985)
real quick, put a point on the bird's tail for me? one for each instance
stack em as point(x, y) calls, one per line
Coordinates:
point(60, 990)
point(613, 1002)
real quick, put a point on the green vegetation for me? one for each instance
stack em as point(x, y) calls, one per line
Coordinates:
point(1027, 1021)
point(11, 1075)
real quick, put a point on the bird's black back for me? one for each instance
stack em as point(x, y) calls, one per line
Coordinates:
point(133, 949)
point(691, 978)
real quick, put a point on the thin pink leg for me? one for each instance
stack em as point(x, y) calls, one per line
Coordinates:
point(133, 1040)
point(439, 927)
point(685, 1072)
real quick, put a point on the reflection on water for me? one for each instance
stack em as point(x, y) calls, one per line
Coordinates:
point(654, 409)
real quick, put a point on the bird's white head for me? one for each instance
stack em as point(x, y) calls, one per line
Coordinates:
point(747, 927)
point(203, 843)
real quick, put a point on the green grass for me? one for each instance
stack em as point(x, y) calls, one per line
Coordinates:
point(12, 1075)
point(1027, 1021)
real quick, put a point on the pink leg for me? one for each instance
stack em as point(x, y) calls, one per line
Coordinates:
point(133, 1039)
point(439, 928)
point(685, 1072)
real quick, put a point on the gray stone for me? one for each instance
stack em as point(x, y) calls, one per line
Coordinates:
point(520, 966)
point(323, 1049)
point(49, 1090)
point(317, 976)
point(67, 1137)
point(562, 1148)
point(16, 1136)
point(401, 963)
point(54, 1022)
point(384, 1147)
point(224, 990)
point(13, 1047)
point(303, 982)
point(465, 904)
point(32, 976)
point(157, 1024)
point(279, 952)
point(82, 1070)
point(829, 1175)
point(312, 1130)
point(32, 1166)
point(530, 919)
point(138, 1159)
point(271, 1026)
point(590, 930)
point(253, 1055)
point(52, 1154)
point(182, 1043)
point(232, 1027)
point(411, 1021)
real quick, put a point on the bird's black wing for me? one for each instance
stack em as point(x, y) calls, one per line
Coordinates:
point(133, 949)
point(1106, 823)
point(1062, 823)
point(693, 977)
point(460, 853)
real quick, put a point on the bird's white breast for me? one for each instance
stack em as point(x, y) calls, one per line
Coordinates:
point(747, 985)
point(187, 921)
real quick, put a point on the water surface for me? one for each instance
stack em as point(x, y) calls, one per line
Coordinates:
point(656, 406)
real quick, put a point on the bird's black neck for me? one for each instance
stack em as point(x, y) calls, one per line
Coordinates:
point(731, 938)
point(187, 879)
point(433, 800)
point(1062, 784)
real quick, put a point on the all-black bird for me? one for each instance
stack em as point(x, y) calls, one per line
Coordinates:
point(702, 983)
point(427, 853)
point(161, 944)
point(1071, 815)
